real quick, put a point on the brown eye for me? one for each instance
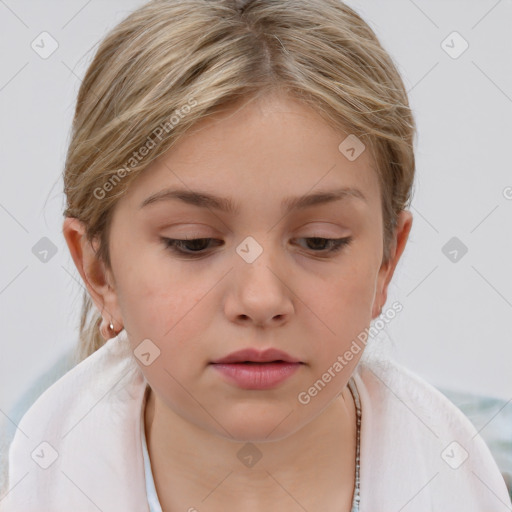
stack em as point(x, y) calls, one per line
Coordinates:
point(190, 247)
point(329, 245)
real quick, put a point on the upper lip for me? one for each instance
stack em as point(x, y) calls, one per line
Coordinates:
point(257, 356)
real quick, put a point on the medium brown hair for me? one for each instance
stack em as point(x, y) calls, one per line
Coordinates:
point(171, 63)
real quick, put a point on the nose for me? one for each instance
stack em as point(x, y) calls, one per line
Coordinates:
point(259, 292)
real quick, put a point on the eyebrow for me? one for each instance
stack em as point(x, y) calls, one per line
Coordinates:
point(226, 204)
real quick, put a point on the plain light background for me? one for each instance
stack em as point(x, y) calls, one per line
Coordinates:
point(454, 329)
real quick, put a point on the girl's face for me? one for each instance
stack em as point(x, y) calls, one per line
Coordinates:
point(263, 278)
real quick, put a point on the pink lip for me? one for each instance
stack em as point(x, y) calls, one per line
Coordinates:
point(257, 356)
point(257, 369)
point(257, 375)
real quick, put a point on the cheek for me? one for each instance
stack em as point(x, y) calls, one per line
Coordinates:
point(162, 310)
point(342, 308)
point(169, 316)
point(151, 294)
point(166, 306)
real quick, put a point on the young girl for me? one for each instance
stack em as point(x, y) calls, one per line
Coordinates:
point(237, 186)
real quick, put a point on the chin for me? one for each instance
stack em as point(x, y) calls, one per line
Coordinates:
point(259, 426)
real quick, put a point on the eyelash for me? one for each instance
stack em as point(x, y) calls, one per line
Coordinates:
point(337, 244)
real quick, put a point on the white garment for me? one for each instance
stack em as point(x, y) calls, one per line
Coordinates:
point(85, 430)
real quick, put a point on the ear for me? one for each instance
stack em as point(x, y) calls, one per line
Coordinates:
point(97, 278)
point(387, 270)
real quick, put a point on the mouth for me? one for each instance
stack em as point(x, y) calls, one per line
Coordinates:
point(253, 368)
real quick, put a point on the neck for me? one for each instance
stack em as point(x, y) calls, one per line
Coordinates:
point(313, 467)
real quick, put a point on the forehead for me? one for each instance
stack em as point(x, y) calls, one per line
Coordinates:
point(272, 147)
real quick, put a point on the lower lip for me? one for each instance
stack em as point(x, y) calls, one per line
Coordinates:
point(257, 375)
